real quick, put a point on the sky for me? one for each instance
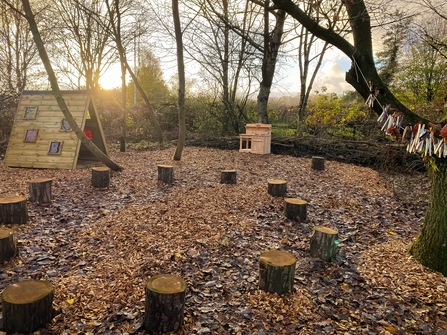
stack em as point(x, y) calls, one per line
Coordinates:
point(331, 75)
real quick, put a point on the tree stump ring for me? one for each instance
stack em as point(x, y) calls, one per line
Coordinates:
point(100, 177)
point(323, 243)
point(276, 271)
point(7, 245)
point(295, 209)
point(164, 304)
point(317, 163)
point(228, 177)
point(13, 210)
point(166, 174)
point(40, 190)
point(277, 187)
point(27, 306)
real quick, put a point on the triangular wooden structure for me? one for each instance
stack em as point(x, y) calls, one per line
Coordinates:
point(41, 138)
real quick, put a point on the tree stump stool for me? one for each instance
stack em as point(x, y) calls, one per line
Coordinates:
point(277, 187)
point(40, 190)
point(13, 210)
point(7, 246)
point(317, 163)
point(276, 271)
point(100, 177)
point(323, 243)
point(27, 306)
point(166, 174)
point(164, 304)
point(295, 209)
point(228, 177)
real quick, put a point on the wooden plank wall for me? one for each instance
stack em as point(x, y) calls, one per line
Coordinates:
point(48, 122)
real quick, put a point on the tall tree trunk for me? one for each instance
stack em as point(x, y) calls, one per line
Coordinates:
point(122, 54)
point(181, 82)
point(57, 93)
point(124, 108)
point(272, 43)
point(430, 247)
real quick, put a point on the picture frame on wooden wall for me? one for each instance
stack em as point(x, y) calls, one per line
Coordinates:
point(31, 136)
point(65, 126)
point(55, 148)
point(30, 113)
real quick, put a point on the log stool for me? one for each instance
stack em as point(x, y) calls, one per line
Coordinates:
point(317, 163)
point(13, 210)
point(277, 187)
point(40, 190)
point(228, 177)
point(295, 209)
point(7, 246)
point(166, 174)
point(276, 271)
point(164, 304)
point(323, 243)
point(27, 306)
point(100, 177)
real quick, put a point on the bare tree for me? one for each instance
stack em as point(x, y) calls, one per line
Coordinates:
point(18, 61)
point(181, 81)
point(29, 16)
point(430, 246)
point(115, 16)
point(81, 42)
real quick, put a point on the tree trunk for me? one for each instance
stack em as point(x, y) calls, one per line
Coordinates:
point(272, 42)
point(40, 190)
point(360, 51)
point(165, 174)
point(228, 177)
point(116, 29)
point(57, 93)
point(13, 210)
point(7, 245)
point(164, 304)
point(181, 82)
point(323, 243)
point(295, 209)
point(430, 247)
point(276, 271)
point(27, 306)
point(277, 187)
point(100, 177)
point(124, 107)
point(317, 163)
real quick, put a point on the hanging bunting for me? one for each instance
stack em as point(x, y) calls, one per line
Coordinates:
point(427, 140)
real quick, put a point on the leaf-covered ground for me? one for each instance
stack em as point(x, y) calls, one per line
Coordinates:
point(99, 247)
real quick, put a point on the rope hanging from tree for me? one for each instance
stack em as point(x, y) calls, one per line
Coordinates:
point(426, 140)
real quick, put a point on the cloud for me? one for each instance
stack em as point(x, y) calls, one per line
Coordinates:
point(331, 75)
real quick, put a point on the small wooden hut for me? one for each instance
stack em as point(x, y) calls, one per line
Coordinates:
point(42, 138)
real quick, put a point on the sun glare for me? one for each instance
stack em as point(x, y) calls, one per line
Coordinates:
point(111, 78)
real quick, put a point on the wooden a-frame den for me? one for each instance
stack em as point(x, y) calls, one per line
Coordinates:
point(41, 138)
